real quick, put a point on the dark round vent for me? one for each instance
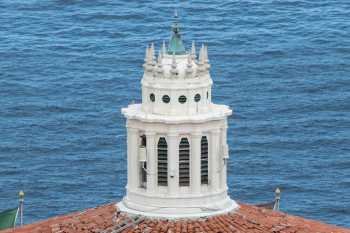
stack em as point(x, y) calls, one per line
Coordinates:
point(152, 97)
point(197, 97)
point(182, 99)
point(166, 99)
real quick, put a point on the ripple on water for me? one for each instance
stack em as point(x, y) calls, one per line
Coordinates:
point(69, 66)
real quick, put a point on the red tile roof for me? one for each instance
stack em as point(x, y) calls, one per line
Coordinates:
point(248, 219)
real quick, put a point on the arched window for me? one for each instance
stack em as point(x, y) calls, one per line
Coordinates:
point(162, 162)
point(204, 160)
point(143, 164)
point(184, 162)
point(143, 141)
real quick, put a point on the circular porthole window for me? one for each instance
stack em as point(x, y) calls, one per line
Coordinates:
point(182, 99)
point(166, 99)
point(197, 97)
point(152, 97)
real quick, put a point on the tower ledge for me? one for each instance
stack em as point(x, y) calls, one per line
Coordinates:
point(217, 112)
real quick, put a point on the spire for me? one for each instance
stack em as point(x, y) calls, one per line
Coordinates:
point(152, 54)
point(206, 59)
point(148, 66)
point(159, 63)
point(175, 44)
point(159, 60)
point(163, 47)
point(193, 50)
point(201, 60)
point(201, 55)
point(149, 55)
point(146, 54)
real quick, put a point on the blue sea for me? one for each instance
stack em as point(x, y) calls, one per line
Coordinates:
point(67, 67)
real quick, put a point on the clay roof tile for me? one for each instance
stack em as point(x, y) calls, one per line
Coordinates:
point(248, 219)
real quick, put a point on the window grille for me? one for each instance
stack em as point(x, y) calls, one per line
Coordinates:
point(184, 162)
point(162, 162)
point(204, 160)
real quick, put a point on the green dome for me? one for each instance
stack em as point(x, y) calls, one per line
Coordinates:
point(176, 45)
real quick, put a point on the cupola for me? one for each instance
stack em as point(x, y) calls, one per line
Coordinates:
point(177, 143)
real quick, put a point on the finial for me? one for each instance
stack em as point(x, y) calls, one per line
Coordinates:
point(175, 44)
point(277, 191)
point(21, 204)
point(276, 205)
point(193, 50)
point(21, 195)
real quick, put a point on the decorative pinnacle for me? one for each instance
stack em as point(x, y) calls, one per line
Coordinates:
point(163, 47)
point(159, 63)
point(193, 50)
point(149, 56)
point(146, 54)
point(201, 55)
point(159, 60)
point(152, 54)
point(148, 66)
point(206, 60)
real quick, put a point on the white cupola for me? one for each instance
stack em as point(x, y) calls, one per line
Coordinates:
point(176, 138)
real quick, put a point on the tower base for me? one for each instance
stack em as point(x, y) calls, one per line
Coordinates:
point(181, 211)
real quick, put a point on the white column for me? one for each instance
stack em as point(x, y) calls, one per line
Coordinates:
point(214, 160)
point(223, 173)
point(195, 160)
point(133, 161)
point(173, 163)
point(151, 162)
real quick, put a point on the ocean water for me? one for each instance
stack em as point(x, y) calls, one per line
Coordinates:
point(68, 66)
